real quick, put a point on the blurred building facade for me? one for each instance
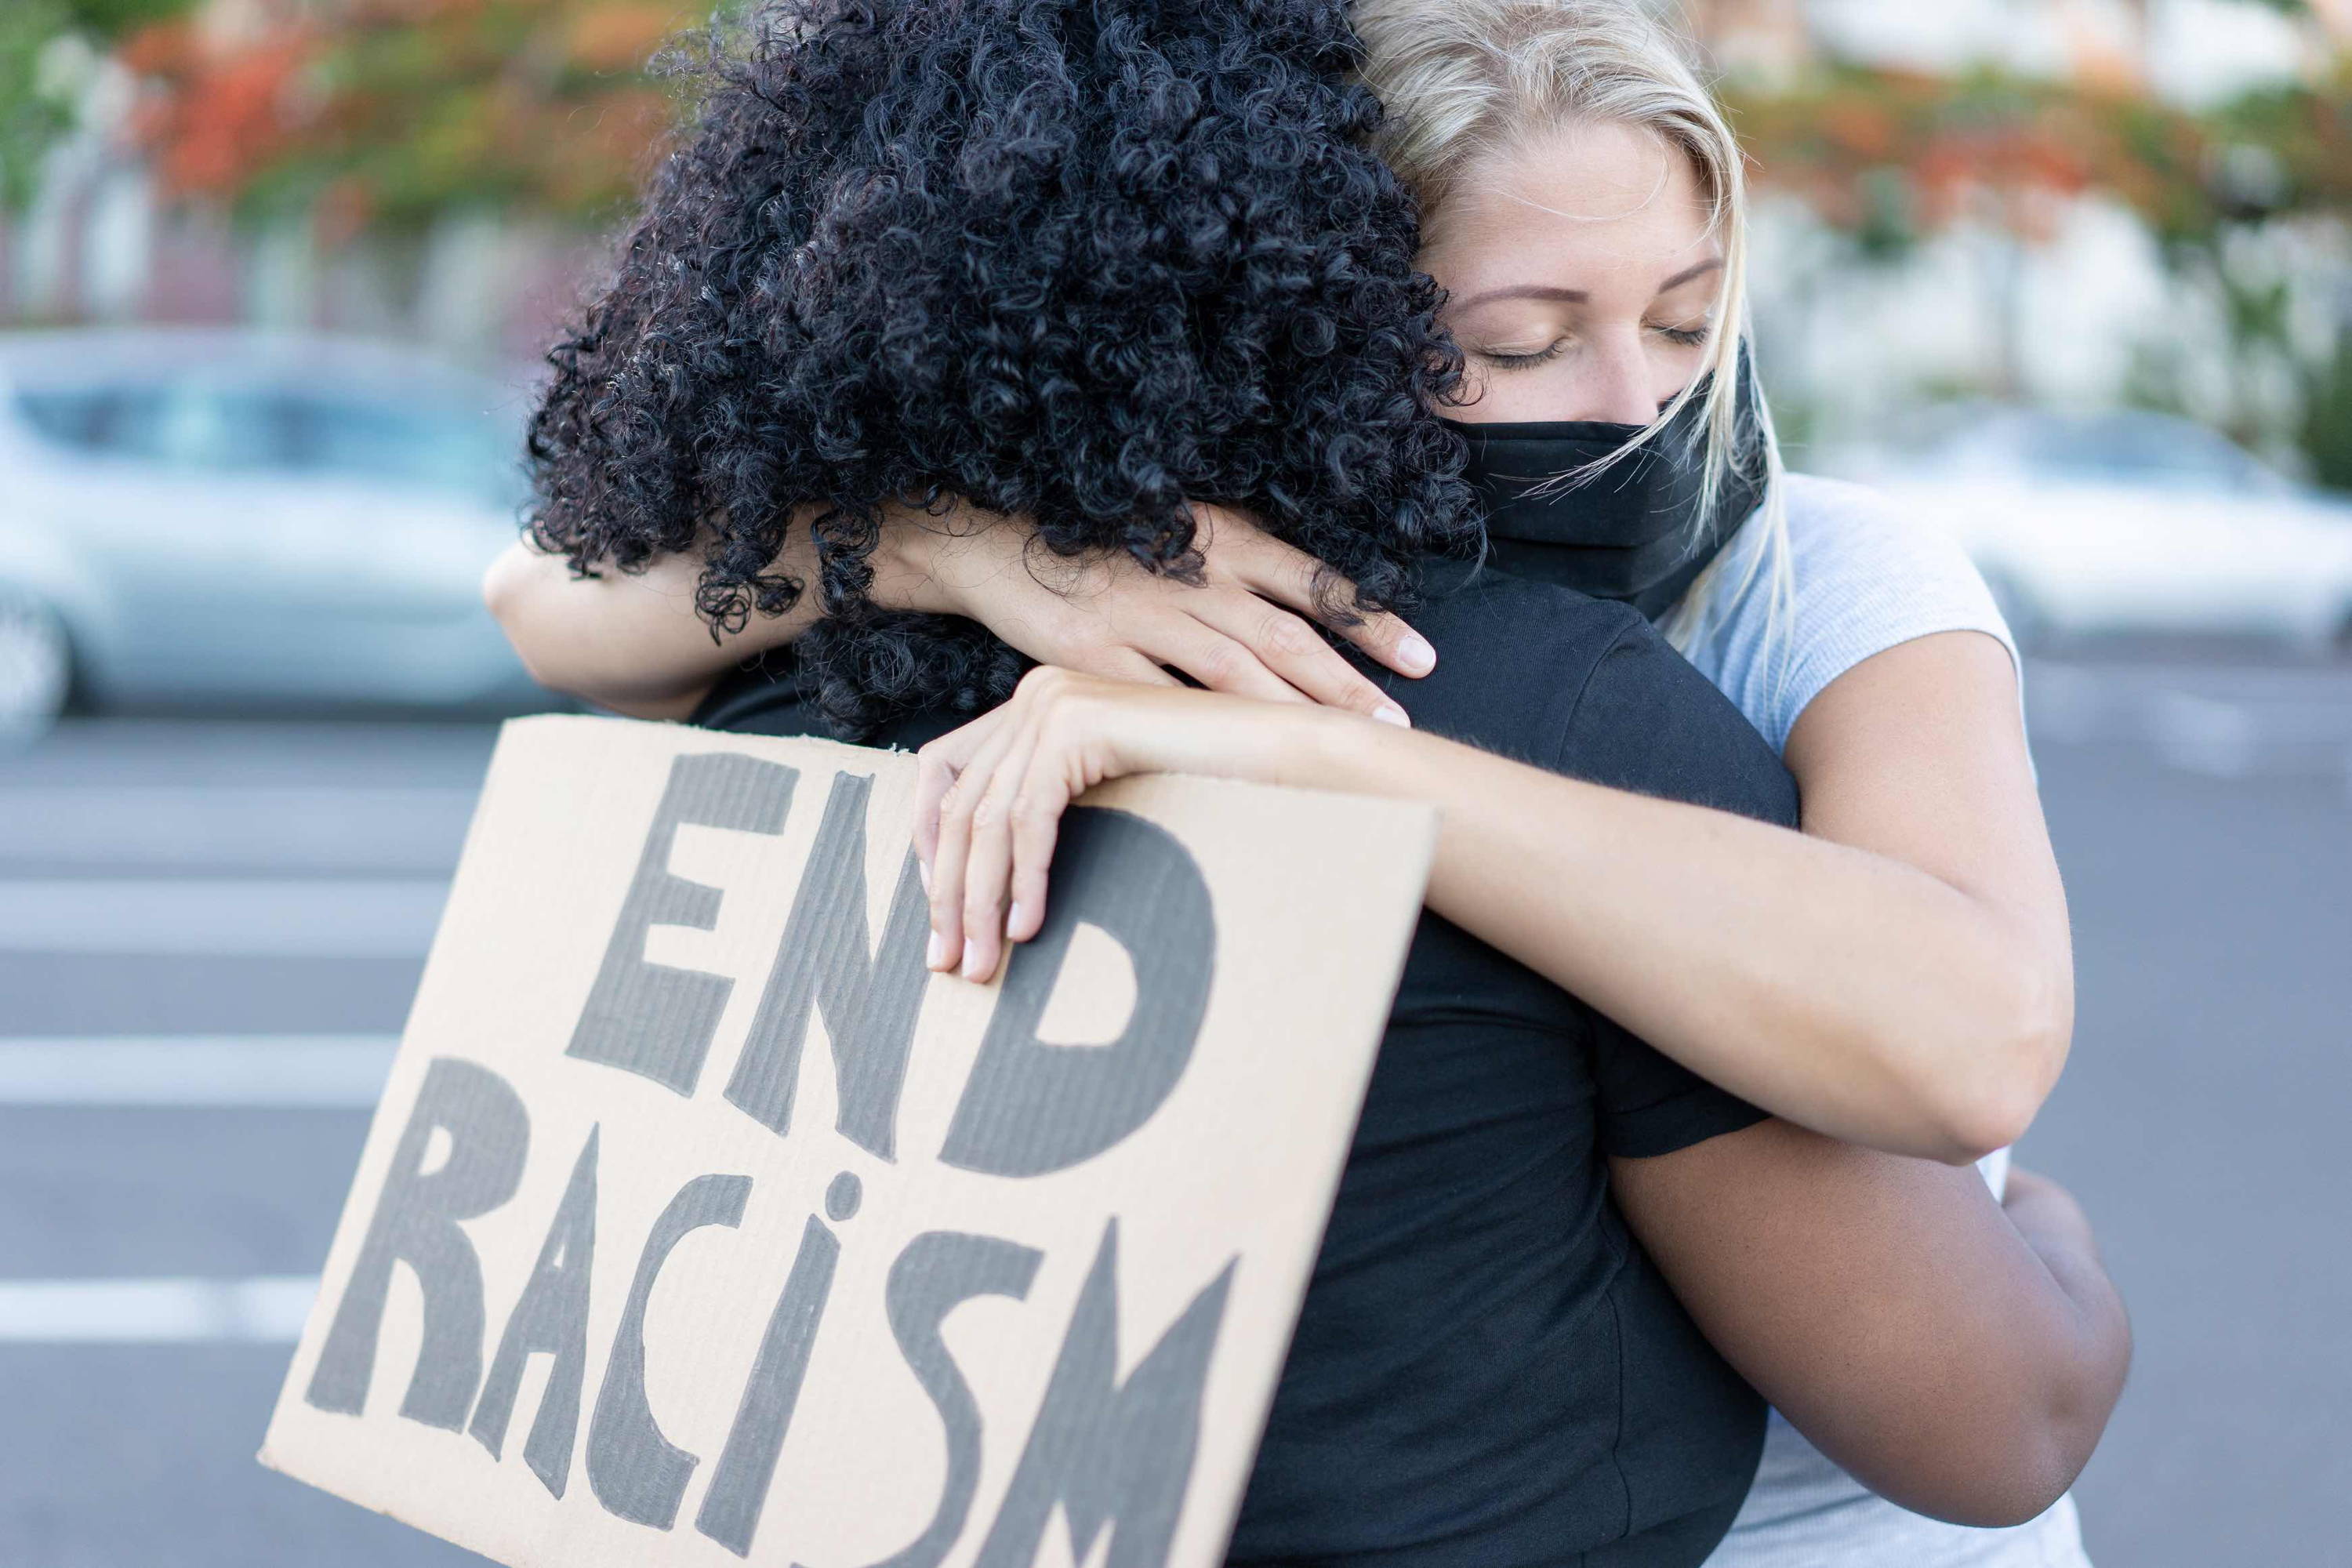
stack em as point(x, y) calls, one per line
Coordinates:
point(2057, 290)
point(109, 236)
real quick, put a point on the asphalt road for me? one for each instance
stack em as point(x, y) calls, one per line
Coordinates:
point(209, 931)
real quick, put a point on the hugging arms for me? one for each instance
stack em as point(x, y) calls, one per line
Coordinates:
point(821, 315)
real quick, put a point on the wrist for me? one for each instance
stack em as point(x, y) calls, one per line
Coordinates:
point(1329, 749)
point(905, 562)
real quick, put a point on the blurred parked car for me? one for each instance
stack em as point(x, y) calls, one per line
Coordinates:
point(212, 517)
point(2132, 521)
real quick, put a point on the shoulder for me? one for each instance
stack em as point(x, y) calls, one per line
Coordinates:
point(1843, 539)
point(1513, 656)
point(1646, 720)
point(1586, 688)
point(1863, 576)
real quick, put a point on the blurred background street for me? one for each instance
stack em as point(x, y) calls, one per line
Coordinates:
point(2070, 278)
point(209, 932)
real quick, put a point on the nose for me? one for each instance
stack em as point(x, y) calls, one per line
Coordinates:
point(1615, 383)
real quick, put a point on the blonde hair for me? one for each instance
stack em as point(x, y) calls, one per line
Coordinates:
point(1462, 80)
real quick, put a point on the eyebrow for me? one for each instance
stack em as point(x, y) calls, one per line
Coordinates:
point(1528, 291)
point(1687, 273)
point(1577, 296)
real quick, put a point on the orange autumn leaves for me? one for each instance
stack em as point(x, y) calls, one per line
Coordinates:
point(1913, 154)
point(391, 110)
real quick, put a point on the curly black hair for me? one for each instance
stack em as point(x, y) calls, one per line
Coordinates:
point(1076, 259)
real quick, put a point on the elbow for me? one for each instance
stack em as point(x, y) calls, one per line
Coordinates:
point(508, 592)
point(2025, 1481)
point(1996, 1485)
point(2016, 1042)
point(504, 589)
point(2019, 1461)
point(2004, 1501)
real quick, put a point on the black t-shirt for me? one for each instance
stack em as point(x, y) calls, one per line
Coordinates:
point(1487, 1371)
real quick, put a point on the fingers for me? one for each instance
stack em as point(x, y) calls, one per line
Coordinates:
point(989, 799)
point(940, 765)
point(1192, 644)
point(988, 858)
point(1036, 828)
point(1267, 566)
point(1117, 661)
point(1295, 652)
point(956, 808)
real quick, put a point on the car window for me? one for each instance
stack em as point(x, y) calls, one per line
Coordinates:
point(220, 428)
point(265, 428)
point(2139, 448)
point(123, 421)
point(438, 448)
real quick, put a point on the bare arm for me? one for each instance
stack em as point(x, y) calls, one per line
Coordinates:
point(1957, 1357)
point(631, 642)
point(1907, 988)
point(634, 643)
point(1899, 975)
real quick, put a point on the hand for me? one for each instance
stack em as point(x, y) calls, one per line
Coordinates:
point(2040, 1207)
point(989, 796)
point(1249, 628)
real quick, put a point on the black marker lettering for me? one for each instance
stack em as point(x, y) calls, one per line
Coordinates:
point(1112, 1453)
point(650, 1018)
point(550, 1315)
point(415, 1223)
point(825, 962)
point(637, 1473)
point(1032, 1108)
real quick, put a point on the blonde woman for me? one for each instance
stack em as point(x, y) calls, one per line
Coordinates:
point(1897, 975)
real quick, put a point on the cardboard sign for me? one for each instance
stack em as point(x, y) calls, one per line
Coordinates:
point(699, 1223)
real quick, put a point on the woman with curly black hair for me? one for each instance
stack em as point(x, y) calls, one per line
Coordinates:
point(1091, 264)
point(1118, 267)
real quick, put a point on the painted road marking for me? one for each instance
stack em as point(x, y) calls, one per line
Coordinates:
point(343, 918)
point(235, 826)
point(268, 1310)
point(213, 1071)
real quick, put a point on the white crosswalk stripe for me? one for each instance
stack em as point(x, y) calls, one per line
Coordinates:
point(407, 828)
point(268, 1310)
point(339, 918)
point(250, 1071)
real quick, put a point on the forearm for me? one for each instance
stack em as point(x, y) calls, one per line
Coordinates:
point(632, 642)
point(1841, 990)
point(1960, 1364)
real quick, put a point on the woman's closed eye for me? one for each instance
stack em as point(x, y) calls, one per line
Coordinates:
point(1690, 337)
point(1507, 359)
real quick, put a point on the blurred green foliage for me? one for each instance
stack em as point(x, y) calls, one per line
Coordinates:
point(389, 112)
point(37, 37)
point(2325, 435)
point(38, 50)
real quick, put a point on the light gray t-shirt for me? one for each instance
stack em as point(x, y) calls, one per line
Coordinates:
point(1865, 579)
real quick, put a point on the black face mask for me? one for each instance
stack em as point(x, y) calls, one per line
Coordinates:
point(1635, 531)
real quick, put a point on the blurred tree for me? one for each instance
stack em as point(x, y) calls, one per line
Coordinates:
point(1887, 159)
point(46, 47)
point(389, 112)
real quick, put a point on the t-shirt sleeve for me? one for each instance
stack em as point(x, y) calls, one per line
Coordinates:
point(1646, 721)
point(1865, 577)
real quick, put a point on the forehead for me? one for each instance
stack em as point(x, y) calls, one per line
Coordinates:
point(1598, 197)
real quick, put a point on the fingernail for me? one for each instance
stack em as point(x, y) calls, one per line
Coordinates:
point(1389, 713)
point(923, 869)
point(935, 957)
point(971, 959)
point(1017, 920)
point(1415, 654)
